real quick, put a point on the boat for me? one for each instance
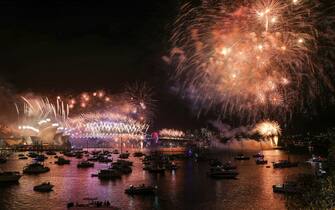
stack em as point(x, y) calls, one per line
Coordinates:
point(124, 162)
point(124, 169)
point(104, 159)
point(93, 204)
point(220, 173)
point(109, 174)
point(50, 152)
point(35, 168)
point(85, 164)
point(3, 159)
point(20, 155)
point(171, 166)
point(215, 163)
point(258, 155)
point(261, 161)
point(93, 158)
point(62, 161)
point(23, 158)
point(156, 169)
point(241, 157)
point(32, 154)
point(116, 151)
point(228, 166)
point(138, 154)
point(124, 155)
point(286, 188)
point(284, 164)
point(44, 187)
point(41, 157)
point(9, 176)
point(141, 190)
point(79, 156)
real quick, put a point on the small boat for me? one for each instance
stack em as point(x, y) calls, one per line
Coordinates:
point(93, 158)
point(44, 187)
point(287, 188)
point(241, 157)
point(85, 164)
point(124, 155)
point(124, 169)
point(215, 163)
point(318, 159)
point(228, 166)
point(32, 154)
point(156, 169)
point(258, 155)
point(284, 164)
point(3, 159)
point(141, 190)
point(70, 154)
point(171, 166)
point(219, 173)
point(23, 158)
point(115, 151)
point(79, 156)
point(109, 174)
point(50, 152)
point(104, 159)
point(138, 154)
point(41, 157)
point(62, 161)
point(35, 168)
point(261, 161)
point(9, 176)
point(93, 204)
point(124, 162)
point(20, 155)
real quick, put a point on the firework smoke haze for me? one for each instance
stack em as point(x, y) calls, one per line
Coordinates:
point(253, 58)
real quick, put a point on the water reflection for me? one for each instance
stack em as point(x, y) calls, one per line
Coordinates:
point(187, 188)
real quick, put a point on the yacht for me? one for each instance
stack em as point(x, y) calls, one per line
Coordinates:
point(109, 174)
point(35, 168)
point(44, 187)
point(85, 164)
point(284, 164)
point(261, 161)
point(138, 154)
point(62, 161)
point(141, 190)
point(9, 176)
point(93, 204)
point(286, 188)
point(220, 173)
point(124, 155)
point(3, 159)
point(241, 157)
point(258, 155)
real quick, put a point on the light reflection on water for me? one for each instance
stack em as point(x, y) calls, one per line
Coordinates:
point(187, 188)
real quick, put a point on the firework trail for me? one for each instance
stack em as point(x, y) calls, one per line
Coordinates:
point(252, 58)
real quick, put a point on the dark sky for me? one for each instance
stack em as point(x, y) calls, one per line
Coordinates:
point(85, 45)
point(91, 44)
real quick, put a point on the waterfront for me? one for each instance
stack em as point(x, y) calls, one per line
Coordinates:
point(187, 188)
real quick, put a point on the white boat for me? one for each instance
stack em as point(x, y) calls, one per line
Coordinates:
point(9, 176)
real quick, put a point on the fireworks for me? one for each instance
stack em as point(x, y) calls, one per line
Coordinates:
point(268, 130)
point(171, 133)
point(250, 58)
point(40, 117)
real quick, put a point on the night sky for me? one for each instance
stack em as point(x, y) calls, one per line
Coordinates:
point(82, 45)
point(85, 45)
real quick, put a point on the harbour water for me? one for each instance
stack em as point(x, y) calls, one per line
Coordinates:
point(188, 187)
